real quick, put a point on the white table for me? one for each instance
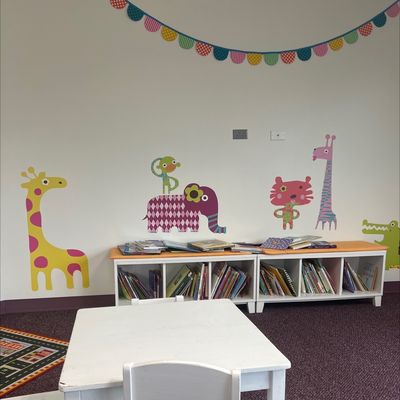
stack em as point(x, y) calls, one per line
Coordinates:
point(213, 332)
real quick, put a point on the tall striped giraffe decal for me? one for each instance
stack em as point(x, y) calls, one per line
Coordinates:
point(325, 210)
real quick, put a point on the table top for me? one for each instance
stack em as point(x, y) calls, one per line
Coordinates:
point(213, 332)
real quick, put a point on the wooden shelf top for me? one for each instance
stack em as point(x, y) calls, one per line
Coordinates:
point(341, 247)
point(115, 254)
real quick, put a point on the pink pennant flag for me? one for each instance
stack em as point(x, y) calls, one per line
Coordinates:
point(321, 49)
point(237, 57)
point(118, 3)
point(394, 10)
point(151, 24)
point(203, 49)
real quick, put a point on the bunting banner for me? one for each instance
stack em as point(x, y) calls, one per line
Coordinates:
point(287, 56)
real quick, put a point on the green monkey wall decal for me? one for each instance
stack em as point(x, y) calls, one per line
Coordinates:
point(166, 165)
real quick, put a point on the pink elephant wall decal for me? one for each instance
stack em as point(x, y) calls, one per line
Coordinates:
point(183, 211)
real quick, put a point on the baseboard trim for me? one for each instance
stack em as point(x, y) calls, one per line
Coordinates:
point(77, 302)
point(391, 287)
point(56, 303)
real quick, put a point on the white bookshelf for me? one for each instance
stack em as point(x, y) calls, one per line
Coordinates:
point(169, 264)
point(355, 253)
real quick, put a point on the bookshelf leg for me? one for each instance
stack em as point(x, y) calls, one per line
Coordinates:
point(259, 307)
point(377, 301)
point(277, 388)
point(251, 307)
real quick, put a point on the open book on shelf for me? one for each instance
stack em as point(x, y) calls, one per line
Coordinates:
point(296, 243)
point(210, 245)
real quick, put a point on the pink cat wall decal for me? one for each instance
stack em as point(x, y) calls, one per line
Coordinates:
point(290, 194)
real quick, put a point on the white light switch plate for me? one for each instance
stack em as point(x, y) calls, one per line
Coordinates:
point(275, 135)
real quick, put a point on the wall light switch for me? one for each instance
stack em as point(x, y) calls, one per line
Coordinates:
point(275, 135)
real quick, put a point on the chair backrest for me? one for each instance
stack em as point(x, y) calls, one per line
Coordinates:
point(174, 380)
point(157, 300)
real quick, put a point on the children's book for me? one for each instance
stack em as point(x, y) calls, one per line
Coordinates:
point(276, 243)
point(171, 245)
point(211, 244)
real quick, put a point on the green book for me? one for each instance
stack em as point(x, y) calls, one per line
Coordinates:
point(177, 280)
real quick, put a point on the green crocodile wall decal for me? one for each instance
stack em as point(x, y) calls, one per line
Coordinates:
point(391, 239)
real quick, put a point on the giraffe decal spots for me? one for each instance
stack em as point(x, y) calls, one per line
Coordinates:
point(45, 257)
point(326, 215)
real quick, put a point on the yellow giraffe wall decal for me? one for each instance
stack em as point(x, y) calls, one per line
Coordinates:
point(44, 256)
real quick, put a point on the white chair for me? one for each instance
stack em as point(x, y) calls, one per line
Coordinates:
point(157, 300)
point(173, 380)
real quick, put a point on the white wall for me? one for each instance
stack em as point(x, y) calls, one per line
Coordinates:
point(91, 96)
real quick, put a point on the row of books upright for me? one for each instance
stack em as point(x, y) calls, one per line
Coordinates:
point(131, 287)
point(228, 281)
point(275, 281)
point(189, 281)
point(316, 278)
point(364, 279)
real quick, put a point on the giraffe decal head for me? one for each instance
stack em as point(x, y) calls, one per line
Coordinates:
point(44, 256)
point(40, 183)
point(325, 152)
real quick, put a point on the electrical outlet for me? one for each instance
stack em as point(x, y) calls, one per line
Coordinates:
point(275, 135)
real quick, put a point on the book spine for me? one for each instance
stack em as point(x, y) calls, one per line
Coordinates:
point(176, 280)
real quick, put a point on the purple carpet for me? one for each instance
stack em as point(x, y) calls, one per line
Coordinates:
point(343, 350)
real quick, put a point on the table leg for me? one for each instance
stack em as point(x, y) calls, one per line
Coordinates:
point(277, 385)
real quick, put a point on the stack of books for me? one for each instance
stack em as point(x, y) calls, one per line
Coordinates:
point(142, 247)
point(211, 245)
point(363, 280)
point(276, 281)
point(247, 247)
point(316, 278)
point(132, 287)
point(228, 281)
point(179, 246)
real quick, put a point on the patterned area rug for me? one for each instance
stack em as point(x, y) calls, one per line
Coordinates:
point(24, 356)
